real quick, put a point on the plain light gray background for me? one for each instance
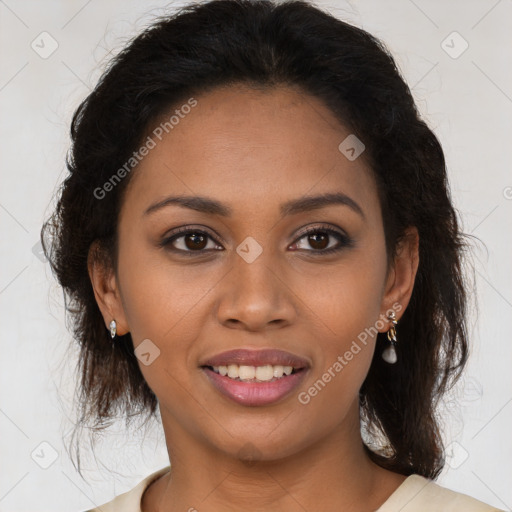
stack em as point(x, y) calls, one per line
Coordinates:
point(465, 96)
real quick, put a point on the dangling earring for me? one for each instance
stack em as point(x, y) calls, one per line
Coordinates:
point(113, 329)
point(389, 354)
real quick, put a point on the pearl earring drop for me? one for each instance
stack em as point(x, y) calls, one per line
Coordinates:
point(389, 354)
point(113, 329)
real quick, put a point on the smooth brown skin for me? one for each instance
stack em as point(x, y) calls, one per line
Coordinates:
point(253, 150)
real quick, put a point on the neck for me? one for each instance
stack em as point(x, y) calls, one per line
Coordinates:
point(331, 474)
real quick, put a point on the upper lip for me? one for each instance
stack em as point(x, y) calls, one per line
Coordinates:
point(260, 357)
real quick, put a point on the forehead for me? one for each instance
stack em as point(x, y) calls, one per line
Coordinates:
point(251, 148)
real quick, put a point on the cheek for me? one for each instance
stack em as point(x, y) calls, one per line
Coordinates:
point(163, 304)
point(345, 350)
point(345, 312)
point(160, 297)
point(345, 297)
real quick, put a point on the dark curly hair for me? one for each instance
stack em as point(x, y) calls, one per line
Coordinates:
point(264, 44)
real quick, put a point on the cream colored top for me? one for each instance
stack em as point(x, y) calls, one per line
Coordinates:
point(415, 494)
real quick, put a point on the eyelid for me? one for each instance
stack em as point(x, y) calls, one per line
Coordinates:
point(183, 230)
point(318, 227)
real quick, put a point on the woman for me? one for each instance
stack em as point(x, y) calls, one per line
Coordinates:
point(257, 239)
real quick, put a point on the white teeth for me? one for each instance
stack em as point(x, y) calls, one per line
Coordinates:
point(278, 371)
point(248, 373)
point(264, 372)
point(260, 373)
point(233, 371)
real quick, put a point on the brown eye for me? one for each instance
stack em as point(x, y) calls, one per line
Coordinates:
point(195, 241)
point(322, 241)
point(319, 240)
point(190, 241)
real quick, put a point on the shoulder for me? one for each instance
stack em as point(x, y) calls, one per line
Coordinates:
point(419, 494)
point(130, 501)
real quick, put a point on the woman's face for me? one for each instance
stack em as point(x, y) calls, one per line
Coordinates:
point(250, 277)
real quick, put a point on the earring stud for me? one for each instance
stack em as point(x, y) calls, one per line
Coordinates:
point(389, 354)
point(113, 329)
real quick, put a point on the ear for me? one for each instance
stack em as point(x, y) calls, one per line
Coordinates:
point(106, 289)
point(401, 276)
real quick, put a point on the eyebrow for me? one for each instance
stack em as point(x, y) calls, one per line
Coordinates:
point(304, 204)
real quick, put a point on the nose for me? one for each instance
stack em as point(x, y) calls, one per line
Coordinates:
point(254, 296)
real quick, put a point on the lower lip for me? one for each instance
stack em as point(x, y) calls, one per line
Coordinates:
point(255, 393)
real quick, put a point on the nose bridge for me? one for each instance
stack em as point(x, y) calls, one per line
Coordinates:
point(254, 293)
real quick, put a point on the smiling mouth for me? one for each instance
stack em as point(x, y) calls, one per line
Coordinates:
point(253, 378)
point(262, 389)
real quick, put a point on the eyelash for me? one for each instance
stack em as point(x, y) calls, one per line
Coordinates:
point(343, 240)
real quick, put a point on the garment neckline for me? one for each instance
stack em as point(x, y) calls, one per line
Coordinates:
point(412, 484)
point(151, 479)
